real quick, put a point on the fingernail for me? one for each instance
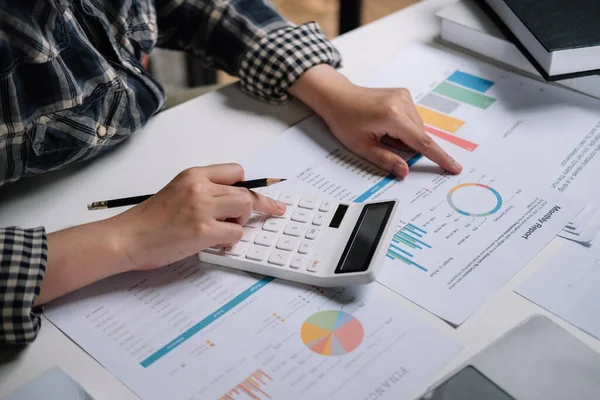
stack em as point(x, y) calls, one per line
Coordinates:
point(400, 170)
point(281, 206)
point(457, 167)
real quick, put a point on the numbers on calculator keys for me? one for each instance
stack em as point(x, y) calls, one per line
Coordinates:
point(287, 243)
point(295, 229)
point(265, 239)
point(279, 257)
point(286, 240)
point(273, 225)
point(289, 199)
point(257, 253)
point(305, 247)
point(308, 203)
point(312, 233)
point(237, 249)
point(302, 216)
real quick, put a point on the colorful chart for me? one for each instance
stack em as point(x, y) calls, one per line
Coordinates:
point(407, 240)
point(459, 89)
point(494, 209)
point(332, 333)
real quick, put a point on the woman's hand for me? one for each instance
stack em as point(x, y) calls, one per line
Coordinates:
point(196, 210)
point(365, 118)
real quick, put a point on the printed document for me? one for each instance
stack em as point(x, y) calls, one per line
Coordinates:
point(568, 285)
point(459, 238)
point(544, 134)
point(193, 331)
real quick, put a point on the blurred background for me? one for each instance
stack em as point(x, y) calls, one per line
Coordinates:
point(178, 72)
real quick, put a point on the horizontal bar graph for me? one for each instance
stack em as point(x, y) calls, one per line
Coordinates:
point(405, 243)
point(465, 144)
point(464, 95)
point(471, 81)
point(440, 121)
point(439, 103)
point(457, 90)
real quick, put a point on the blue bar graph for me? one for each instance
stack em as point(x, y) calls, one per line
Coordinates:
point(416, 228)
point(470, 81)
point(404, 244)
point(206, 321)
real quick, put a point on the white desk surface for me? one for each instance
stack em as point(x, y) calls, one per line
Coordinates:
point(196, 133)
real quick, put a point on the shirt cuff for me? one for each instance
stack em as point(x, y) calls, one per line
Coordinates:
point(274, 64)
point(24, 254)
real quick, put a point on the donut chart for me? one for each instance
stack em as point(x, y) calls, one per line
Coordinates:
point(495, 202)
point(332, 333)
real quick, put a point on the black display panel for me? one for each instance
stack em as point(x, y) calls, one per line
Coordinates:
point(364, 238)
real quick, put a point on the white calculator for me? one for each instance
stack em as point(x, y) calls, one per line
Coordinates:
point(318, 242)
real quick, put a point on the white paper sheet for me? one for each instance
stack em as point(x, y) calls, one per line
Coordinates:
point(460, 237)
point(568, 285)
point(547, 135)
point(189, 331)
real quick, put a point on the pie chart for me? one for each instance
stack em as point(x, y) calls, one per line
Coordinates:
point(332, 333)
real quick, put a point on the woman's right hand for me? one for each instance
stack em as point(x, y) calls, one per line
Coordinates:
point(198, 209)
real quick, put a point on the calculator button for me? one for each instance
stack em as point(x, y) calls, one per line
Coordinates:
point(297, 262)
point(256, 253)
point(301, 216)
point(249, 234)
point(287, 243)
point(265, 239)
point(274, 194)
point(308, 202)
point(289, 199)
point(273, 225)
point(312, 233)
point(319, 219)
point(254, 221)
point(279, 257)
point(237, 249)
point(325, 206)
point(294, 229)
point(305, 247)
point(286, 215)
point(314, 266)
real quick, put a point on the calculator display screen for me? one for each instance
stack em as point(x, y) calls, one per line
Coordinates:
point(364, 238)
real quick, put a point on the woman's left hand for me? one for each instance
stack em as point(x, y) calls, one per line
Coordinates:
point(365, 118)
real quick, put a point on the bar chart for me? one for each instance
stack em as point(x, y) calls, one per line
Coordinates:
point(251, 388)
point(460, 89)
point(408, 240)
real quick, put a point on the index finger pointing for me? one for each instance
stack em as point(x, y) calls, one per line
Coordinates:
point(424, 144)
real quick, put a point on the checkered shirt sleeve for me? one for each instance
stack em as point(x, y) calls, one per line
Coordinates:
point(276, 62)
point(22, 267)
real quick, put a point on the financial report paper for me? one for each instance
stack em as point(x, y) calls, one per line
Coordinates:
point(459, 238)
point(541, 133)
point(568, 285)
point(193, 331)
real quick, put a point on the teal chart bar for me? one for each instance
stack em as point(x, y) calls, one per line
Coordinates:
point(470, 81)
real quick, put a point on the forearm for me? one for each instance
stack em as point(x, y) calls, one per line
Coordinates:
point(319, 87)
point(82, 255)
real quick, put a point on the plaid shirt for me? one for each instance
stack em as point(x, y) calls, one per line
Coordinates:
point(72, 86)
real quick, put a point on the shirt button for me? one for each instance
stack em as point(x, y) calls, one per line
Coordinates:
point(101, 131)
point(151, 27)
